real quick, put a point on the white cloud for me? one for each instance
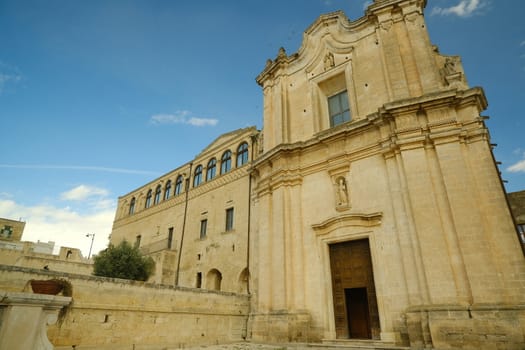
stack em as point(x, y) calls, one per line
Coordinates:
point(182, 117)
point(82, 192)
point(518, 167)
point(367, 3)
point(522, 43)
point(62, 225)
point(202, 122)
point(8, 75)
point(79, 167)
point(465, 8)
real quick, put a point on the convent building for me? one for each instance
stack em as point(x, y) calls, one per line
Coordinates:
point(369, 206)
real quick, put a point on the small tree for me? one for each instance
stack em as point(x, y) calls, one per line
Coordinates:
point(123, 261)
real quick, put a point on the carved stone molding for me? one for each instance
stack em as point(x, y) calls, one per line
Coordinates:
point(346, 220)
point(23, 323)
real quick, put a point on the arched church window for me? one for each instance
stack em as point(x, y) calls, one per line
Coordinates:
point(167, 190)
point(242, 154)
point(197, 177)
point(158, 192)
point(178, 185)
point(148, 199)
point(226, 162)
point(132, 206)
point(211, 169)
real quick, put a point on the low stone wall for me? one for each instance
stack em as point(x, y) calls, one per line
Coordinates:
point(473, 327)
point(29, 259)
point(120, 314)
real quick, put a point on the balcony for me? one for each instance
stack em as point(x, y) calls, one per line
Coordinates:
point(155, 247)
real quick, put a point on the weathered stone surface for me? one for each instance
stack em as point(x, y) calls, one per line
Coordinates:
point(369, 135)
point(24, 318)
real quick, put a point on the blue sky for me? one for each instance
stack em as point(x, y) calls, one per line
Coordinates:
point(100, 97)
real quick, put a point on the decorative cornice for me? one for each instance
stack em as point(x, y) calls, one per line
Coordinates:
point(437, 99)
point(346, 220)
point(217, 182)
point(218, 145)
point(320, 24)
point(224, 139)
point(379, 5)
point(392, 138)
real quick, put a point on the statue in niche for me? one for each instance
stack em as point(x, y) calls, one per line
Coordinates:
point(329, 61)
point(450, 66)
point(452, 74)
point(342, 194)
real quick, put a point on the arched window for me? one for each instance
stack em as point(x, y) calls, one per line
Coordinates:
point(243, 281)
point(213, 280)
point(167, 190)
point(178, 185)
point(158, 191)
point(148, 199)
point(132, 206)
point(226, 162)
point(242, 154)
point(211, 169)
point(197, 177)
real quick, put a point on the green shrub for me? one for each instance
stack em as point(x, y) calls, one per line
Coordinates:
point(123, 261)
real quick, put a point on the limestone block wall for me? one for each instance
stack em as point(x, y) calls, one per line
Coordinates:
point(119, 314)
point(24, 318)
point(29, 259)
point(185, 231)
point(411, 172)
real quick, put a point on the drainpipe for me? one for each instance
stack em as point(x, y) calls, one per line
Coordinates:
point(248, 234)
point(253, 138)
point(187, 189)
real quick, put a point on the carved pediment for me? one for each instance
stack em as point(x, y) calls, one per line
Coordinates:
point(326, 44)
point(226, 138)
point(346, 220)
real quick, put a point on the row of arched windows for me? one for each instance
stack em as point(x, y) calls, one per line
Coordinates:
point(225, 164)
point(214, 280)
point(153, 198)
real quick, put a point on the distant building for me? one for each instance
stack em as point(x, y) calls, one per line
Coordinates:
point(11, 230)
point(15, 252)
point(368, 207)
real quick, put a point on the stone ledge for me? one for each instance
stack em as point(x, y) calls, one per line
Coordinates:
point(47, 301)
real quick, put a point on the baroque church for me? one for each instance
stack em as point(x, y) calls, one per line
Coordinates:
point(369, 206)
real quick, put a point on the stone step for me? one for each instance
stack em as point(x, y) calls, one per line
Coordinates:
point(361, 344)
point(325, 345)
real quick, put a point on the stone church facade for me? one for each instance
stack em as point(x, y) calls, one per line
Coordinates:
point(368, 207)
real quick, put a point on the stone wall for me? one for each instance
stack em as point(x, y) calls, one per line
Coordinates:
point(120, 314)
point(63, 262)
point(407, 166)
